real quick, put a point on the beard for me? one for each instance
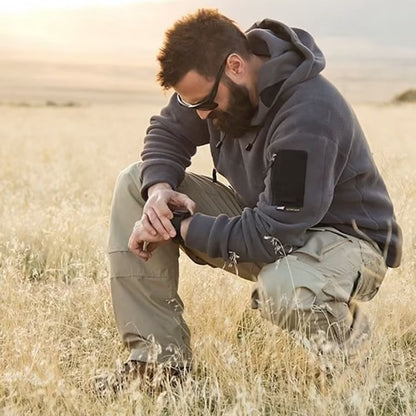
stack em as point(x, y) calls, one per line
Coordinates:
point(236, 119)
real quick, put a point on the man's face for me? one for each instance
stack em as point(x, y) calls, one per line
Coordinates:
point(234, 109)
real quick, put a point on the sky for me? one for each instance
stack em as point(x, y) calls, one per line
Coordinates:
point(132, 31)
point(25, 5)
point(18, 6)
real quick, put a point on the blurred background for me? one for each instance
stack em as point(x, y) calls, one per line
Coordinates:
point(89, 51)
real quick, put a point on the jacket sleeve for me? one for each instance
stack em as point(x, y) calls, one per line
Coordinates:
point(171, 140)
point(299, 185)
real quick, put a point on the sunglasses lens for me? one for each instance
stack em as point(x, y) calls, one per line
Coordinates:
point(209, 105)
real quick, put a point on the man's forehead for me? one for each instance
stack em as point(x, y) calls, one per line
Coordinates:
point(193, 87)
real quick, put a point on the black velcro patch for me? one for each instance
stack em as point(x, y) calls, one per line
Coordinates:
point(288, 177)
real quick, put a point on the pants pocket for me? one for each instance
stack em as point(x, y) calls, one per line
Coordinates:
point(321, 242)
point(371, 274)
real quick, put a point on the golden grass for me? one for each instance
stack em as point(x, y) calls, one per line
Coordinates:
point(58, 167)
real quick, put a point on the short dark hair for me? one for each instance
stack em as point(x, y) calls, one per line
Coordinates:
point(198, 41)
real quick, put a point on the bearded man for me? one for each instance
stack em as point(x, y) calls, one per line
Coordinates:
point(307, 216)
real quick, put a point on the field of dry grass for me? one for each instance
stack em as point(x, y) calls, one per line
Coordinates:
point(57, 171)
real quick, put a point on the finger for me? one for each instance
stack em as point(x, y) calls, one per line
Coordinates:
point(142, 233)
point(161, 207)
point(147, 226)
point(190, 206)
point(142, 255)
point(183, 201)
point(151, 247)
point(132, 244)
point(135, 243)
point(139, 250)
point(160, 223)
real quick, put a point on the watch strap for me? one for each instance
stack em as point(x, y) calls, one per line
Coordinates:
point(178, 217)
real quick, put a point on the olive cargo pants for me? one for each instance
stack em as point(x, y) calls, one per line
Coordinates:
point(312, 290)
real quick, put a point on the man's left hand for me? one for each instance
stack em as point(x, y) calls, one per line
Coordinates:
point(142, 241)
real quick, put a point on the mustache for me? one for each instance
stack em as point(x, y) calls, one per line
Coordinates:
point(235, 119)
point(215, 114)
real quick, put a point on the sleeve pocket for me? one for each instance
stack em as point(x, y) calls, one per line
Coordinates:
point(288, 176)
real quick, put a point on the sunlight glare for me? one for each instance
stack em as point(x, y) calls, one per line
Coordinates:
point(29, 5)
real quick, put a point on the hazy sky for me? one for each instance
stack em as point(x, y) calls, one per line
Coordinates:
point(131, 31)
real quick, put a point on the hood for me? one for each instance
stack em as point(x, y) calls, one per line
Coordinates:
point(294, 58)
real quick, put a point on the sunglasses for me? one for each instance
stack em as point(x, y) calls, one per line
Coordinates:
point(208, 103)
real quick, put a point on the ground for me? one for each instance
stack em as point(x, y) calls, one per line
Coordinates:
point(58, 168)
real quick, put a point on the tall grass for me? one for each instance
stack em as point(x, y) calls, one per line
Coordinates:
point(58, 167)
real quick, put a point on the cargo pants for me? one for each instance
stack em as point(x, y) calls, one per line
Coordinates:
point(312, 290)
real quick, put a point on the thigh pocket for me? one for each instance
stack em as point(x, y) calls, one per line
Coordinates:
point(321, 243)
point(337, 257)
point(371, 274)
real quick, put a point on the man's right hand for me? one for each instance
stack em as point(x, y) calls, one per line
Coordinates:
point(157, 213)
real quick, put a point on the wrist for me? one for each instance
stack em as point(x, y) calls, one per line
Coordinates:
point(156, 187)
point(180, 223)
point(184, 227)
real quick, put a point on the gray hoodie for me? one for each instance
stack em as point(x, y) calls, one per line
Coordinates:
point(305, 163)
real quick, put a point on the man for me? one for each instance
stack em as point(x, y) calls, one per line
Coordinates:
point(308, 217)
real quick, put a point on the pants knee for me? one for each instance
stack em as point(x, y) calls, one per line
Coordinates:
point(288, 284)
point(291, 295)
point(128, 182)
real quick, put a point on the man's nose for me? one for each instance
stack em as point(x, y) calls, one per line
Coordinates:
point(203, 114)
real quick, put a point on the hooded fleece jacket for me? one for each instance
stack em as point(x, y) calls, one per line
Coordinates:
point(305, 162)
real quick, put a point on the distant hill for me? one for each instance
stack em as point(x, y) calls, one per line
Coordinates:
point(408, 96)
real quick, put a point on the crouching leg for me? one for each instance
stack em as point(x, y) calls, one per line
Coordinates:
point(314, 291)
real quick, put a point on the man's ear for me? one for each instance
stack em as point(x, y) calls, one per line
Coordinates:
point(236, 67)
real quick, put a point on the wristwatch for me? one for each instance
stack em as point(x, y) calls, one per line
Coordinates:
point(178, 216)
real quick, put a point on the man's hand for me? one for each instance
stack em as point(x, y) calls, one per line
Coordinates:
point(155, 226)
point(141, 243)
point(158, 209)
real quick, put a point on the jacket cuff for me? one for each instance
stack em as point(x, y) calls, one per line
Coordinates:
point(198, 233)
point(153, 176)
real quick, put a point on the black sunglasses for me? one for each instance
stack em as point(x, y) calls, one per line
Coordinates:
point(208, 103)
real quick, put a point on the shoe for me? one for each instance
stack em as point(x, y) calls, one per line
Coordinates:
point(149, 377)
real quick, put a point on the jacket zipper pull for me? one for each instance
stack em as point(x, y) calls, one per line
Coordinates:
point(214, 175)
point(222, 138)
